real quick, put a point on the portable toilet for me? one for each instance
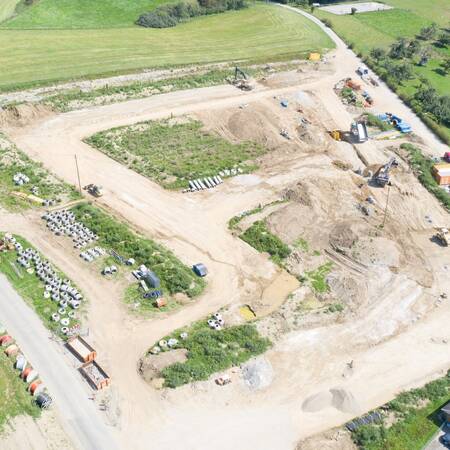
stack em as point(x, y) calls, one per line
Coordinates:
point(151, 279)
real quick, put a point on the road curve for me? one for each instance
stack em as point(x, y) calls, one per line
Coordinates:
point(77, 413)
point(385, 98)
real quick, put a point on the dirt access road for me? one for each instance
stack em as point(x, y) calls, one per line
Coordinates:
point(195, 228)
point(76, 412)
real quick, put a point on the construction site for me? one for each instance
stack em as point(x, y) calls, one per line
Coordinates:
point(306, 222)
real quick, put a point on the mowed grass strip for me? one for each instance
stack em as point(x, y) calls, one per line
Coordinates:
point(260, 32)
point(15, 400)
point(171, 154)
point(81, 13)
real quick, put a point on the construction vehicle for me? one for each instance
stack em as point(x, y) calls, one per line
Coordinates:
point(443, 236)
point(241, 80)
point(336, 135)
point(93, 189)
point(285, 134)
point(381, 176)
point(359, 132)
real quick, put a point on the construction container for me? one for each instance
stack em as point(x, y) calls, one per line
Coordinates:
point(95, 375)
point(441, 173)
point(151, 279)
point(34, 387)
point(81, 349)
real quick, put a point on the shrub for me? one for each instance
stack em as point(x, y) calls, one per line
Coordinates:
point(260, 238)
point(159, 18)
point(211, 351)
point(327, 23)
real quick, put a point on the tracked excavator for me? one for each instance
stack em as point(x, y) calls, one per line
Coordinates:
point(381, 176)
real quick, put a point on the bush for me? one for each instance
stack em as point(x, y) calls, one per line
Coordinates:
point(211, 351)
point(260, 238)
point(170, 15)
point(327, 23)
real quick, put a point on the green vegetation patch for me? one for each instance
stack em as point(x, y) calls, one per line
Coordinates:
point(415, 419)
point(173, 154)
point(211, 351)
point(15, 400)
point(422, 167)
point(13, 161)
point(260, 238)
point(77, 98)
point(7, 8)
point(174, 275)
point(235, 220)
point(318, 277)
point(60, 14)
point(261, 32)
point(32, 289)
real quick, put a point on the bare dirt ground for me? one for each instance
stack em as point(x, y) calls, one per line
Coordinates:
point(389, 280)
point(45, 433)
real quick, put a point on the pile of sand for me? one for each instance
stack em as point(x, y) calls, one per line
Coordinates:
point(340, 399)
point(258, 373)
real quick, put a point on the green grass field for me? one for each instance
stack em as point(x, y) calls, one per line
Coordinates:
point(14, 398)
point(81, 13)
point(173, 154)
point(7, 8)
point(380, 29)
point(261, 32)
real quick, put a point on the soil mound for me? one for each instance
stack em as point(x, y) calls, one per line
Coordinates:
point(150, 366)
point(21, 115)
point(341, 399)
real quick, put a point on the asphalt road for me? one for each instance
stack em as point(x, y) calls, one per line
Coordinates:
point(77, 414)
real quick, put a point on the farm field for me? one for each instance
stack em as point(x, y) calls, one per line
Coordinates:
point(80, 13)
point(260, 32)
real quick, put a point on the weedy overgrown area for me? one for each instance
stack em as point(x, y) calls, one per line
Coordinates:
point(175, 276)
point(32, 289)
point(14, 197)
point(211, 351)
point(15, 400)
point(409, 421)
point(172, 153)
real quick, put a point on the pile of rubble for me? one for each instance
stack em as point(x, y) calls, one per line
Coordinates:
point(63, 223)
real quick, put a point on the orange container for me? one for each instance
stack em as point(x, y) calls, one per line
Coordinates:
point(5, 340)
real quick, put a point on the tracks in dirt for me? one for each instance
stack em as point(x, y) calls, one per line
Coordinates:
point(346, 262)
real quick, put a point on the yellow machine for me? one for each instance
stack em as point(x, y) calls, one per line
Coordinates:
point(336, 135)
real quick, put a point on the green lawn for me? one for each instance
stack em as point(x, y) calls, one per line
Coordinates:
point(261, 32)
point(14, 398)
point(7, 8)
point(173, 154)
point(81, 13)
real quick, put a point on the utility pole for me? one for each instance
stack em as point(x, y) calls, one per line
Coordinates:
point(386, 207)
point(78, 173)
